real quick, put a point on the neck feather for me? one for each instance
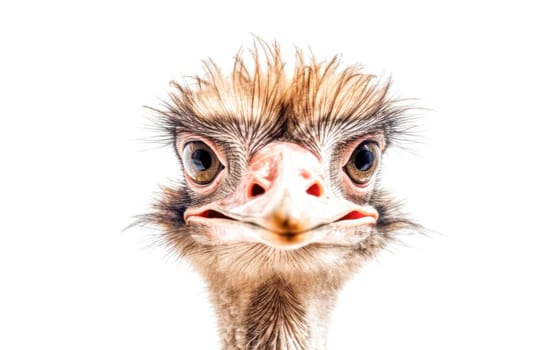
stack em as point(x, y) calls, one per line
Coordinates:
point(276, 313)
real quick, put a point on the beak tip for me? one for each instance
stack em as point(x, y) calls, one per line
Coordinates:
point(287, 241)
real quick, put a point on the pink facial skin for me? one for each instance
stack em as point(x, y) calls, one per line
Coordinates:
point(283, 201)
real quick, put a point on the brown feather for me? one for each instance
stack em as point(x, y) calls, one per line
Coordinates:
point(267, 298)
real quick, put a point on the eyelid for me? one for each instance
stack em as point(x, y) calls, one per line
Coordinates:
point(375, 142)
point(345, 152)
point(183, 138)
point(207, 175)
point(372, 141)
point(180, 142)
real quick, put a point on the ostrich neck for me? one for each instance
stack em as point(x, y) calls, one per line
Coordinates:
point(273, 313)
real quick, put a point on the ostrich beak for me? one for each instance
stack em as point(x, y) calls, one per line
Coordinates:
point(285, 199)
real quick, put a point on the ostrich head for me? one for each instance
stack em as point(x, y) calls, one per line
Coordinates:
point(280, 200)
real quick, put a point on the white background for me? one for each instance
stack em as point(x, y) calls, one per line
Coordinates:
point(74, 78)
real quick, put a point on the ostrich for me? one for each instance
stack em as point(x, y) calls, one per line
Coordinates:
point(280, 201)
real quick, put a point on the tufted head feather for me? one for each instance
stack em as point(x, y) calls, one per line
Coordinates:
point(318, 103)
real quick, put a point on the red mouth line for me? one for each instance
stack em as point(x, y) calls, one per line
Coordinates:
point(353, 215)
point(213, 214)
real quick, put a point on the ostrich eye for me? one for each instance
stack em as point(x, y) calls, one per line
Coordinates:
point(200, 162)
point(363, 162)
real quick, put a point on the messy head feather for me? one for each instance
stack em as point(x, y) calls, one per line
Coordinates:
point(318, 103)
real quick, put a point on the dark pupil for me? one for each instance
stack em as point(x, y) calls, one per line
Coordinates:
point(363, 159)
point(201, 159)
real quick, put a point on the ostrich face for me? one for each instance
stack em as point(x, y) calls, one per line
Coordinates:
point(280, 172)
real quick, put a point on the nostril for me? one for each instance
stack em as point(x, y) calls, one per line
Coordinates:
point(314, 190)
point(256, 190)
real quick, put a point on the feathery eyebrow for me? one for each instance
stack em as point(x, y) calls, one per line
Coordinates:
point(318, 103)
